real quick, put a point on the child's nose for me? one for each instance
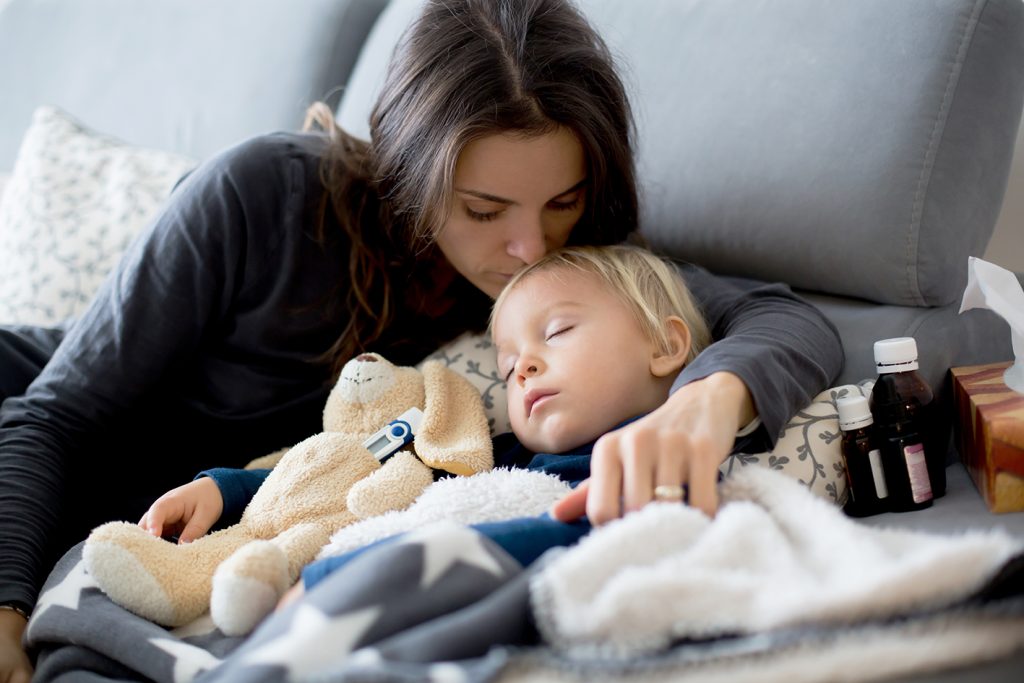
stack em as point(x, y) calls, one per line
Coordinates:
point(527, 368)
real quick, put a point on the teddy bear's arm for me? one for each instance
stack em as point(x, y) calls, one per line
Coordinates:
point(394, 486)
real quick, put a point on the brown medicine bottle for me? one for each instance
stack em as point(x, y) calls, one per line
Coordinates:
point(901, 407)
point(867, 493)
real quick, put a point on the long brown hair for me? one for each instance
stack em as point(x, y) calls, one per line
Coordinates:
point(467, 69)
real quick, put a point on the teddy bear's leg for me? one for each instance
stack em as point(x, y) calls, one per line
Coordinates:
point(157, 580)
point(248, 585)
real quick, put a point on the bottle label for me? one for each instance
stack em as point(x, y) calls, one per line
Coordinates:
point(917, 467)
point(878, 474)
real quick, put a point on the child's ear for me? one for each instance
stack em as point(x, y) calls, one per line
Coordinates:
point(678, 335)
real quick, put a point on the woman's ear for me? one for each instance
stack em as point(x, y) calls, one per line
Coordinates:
point(678, 335)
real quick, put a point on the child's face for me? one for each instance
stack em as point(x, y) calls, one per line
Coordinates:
point(576, 360)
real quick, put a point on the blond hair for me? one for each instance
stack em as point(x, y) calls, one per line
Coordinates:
point(650, 287)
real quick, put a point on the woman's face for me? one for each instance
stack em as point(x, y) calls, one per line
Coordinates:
point(515, 199)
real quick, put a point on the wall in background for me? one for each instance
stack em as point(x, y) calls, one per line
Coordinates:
point(1007, 246)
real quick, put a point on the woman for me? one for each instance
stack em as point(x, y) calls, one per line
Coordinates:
point(502, 132)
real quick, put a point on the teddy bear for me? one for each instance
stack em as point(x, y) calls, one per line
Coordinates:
point(321, 484)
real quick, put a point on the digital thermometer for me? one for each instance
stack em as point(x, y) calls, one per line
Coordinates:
point(395, 434)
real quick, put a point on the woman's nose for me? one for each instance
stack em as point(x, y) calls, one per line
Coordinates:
point(528, 243)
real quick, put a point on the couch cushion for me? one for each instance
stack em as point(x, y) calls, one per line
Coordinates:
point(190, 76)
point(854, 148)
point(857, 148)
point(74, 202)
point(945, 338)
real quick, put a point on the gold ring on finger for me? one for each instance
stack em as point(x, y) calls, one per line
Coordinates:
point(672, 493)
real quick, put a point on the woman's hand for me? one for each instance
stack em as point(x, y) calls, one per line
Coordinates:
point(682, 442)
point(187, 511)
point(14, 664)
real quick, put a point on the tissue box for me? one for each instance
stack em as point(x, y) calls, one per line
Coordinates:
point(990, 434)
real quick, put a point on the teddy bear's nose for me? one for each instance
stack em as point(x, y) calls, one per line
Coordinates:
point(366, 358)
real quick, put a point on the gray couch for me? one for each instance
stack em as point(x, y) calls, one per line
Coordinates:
point(857, 150)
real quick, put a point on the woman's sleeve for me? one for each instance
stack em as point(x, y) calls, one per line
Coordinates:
point(782, 347)
point(145, 323)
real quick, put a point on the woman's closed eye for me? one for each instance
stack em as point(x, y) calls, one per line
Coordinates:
point(567, 205)
point(482, 216)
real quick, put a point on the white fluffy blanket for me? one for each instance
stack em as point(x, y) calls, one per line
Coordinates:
point(486, 497)
point(774, 556)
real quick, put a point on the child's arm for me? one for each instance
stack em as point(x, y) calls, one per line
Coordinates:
point(190, 510)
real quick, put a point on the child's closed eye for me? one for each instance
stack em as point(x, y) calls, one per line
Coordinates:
point(558, 331)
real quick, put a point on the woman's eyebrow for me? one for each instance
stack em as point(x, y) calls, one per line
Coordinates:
point(502, 200)
point(572, 189)
point(485, 196)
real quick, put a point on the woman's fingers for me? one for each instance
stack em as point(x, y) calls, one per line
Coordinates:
point(671, 459)
point(638, 455)
point(703, 480)
point(572, 505)
point(605, 493)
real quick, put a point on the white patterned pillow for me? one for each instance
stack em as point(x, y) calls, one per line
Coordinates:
point(4, 179)
point(74, 201)
point(807, 450)
point(474, 357)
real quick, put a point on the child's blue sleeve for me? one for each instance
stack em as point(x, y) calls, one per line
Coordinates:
point(318, 570)
point(525, 539)
point(237, 487)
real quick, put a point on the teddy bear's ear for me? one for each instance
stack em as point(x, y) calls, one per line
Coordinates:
point(454, 435)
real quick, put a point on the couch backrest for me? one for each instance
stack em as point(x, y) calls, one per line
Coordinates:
point(189, 76)
point(853, 148)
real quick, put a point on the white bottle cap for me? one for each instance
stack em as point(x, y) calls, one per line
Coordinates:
point(896, 355)
point(854, 413)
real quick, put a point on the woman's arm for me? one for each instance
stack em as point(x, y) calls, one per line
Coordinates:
point(145, 325)
point(773, 352)
point(783, 349)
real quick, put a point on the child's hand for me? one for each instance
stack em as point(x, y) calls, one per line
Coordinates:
point(682, 442)
point(187, 511)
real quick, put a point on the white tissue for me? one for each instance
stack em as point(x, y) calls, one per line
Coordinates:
point(998, 290)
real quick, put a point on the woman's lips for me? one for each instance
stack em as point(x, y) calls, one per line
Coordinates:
point(535, 397)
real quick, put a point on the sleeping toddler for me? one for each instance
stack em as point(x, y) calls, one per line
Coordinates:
point(587, 339)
